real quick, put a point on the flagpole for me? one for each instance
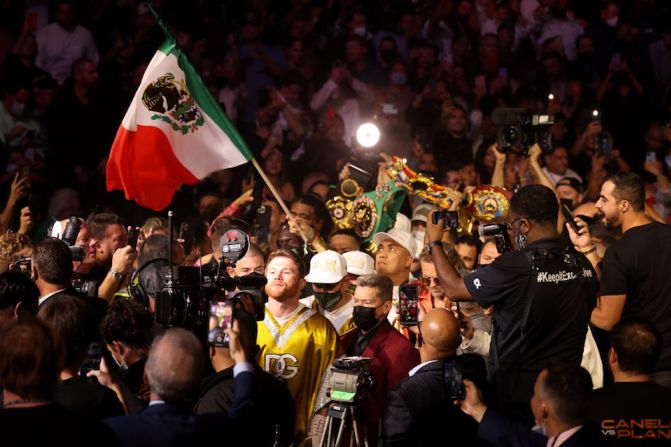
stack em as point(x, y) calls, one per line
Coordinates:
point(271, 187)
point(275, 193)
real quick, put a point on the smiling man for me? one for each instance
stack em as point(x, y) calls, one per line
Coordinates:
point(635, 271)
point(296, 343)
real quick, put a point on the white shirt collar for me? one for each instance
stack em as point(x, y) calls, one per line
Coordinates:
point(420, 366)
point(156, 402)
point(48, 295)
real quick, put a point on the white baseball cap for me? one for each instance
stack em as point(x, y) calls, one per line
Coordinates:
point(402, 222)
point(421, 212)
point(359, 263)
point(327, 267)
point(403, 238)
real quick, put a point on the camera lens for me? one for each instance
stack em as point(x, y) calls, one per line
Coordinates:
point(510, 135)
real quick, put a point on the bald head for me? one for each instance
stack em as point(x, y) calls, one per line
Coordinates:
point(440, 334)
point(174, 366)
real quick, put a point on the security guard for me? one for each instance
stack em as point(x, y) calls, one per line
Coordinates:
point(543, 294)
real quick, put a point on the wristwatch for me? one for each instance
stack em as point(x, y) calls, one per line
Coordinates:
point(117, 275)
point(434, 244)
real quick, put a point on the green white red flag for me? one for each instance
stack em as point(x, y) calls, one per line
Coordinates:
point(174, 133)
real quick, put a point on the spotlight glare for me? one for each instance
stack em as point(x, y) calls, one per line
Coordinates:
point(368, 135)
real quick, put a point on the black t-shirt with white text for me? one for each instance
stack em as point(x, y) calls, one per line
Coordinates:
point(564, 296)
point(639, 266)
point(633, 414)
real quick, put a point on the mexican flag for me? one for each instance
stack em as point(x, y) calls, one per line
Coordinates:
point(174, 133)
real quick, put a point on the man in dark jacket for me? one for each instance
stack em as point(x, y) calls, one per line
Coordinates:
point(173, 370)
point(217, 392)
point(559, 404)
point(393, 356)
point(414, 405)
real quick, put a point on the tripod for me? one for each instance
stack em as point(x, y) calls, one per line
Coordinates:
point(347, 417)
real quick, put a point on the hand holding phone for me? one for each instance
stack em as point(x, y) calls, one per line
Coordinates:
point(408, 297)
point(568, 217)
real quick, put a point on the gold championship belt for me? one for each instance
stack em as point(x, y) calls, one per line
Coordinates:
point(421, 185)
point(481, 204)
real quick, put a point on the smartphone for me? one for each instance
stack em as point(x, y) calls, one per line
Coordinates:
point(451, 218)
point(651, 156)
point(221, 319)
point(454, 380)
point(408, 297)
point(92, 362)
point(604, 144)
point(568, 217)
point(359, 175)
point(262, 224)
point(133, 235)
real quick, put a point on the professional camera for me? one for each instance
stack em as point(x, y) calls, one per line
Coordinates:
point(69, 236)
point(500, 234)
point(185, 295)
point(22, 265)
point(519, 129)
point(349, 379)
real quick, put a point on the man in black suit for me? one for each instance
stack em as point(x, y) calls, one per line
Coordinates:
point(174, 369)
point(415, 405)
point(275, 406)
point(559, 404)
point(51, 269)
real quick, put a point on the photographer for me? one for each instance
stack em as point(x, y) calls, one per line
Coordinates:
point(393, 356)
point(415, 404)
point(543, 294)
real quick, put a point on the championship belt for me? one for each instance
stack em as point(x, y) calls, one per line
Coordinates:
point(421, 185)
point(369, 213)
point(486, 203)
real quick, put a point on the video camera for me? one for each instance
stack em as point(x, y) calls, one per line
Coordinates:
point(500, 234)
point(519, 129)
point(189, 296)
point(349, 379)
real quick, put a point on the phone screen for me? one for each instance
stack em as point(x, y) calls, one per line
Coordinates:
point(262, 224)
point(221, 318)
point(408, 304)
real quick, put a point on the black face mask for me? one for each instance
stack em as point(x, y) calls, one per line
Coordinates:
point(328, 300)
point(364, 317)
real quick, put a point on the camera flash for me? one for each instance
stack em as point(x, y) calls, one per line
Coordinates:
point(595, 113)
point(368, 135)
point(551, 96)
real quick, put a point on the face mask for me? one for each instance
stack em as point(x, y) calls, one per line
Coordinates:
point(612, 22)
point(360, 31)
point(328, 300)
point(364, 317)
point(399, 78)
point(18, 108)
point(419, 235)
point(122, 366)
point(520, 239)
point(539, 429)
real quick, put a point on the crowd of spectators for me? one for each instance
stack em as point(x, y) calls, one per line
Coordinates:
point(563, 337)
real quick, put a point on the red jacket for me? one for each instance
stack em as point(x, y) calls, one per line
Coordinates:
point(393, 356)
